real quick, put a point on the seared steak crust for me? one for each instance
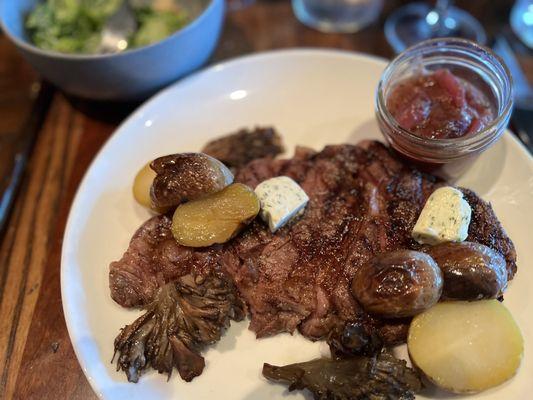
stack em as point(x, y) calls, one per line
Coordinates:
point(485, 228)
point(238, 149)
point(363, 201)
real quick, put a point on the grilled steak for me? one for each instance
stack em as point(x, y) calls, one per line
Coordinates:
point(153, 259)
point(238, 149)
point(363, 201)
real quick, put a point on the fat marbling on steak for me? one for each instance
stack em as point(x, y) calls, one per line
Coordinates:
point(363, 201)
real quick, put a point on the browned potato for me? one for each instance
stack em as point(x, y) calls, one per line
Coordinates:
point(471, 271)
point(398, 284)
point(216, 218)
point(142, 184)
point(187, 176)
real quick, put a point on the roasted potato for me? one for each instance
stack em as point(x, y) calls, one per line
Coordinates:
point(216, 218)
point(142, 185)
point(187, 176)
point(466, 347)
point(471, 271)
point(398, 284)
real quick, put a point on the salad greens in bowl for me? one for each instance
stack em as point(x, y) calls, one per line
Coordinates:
point(75, 26)
point(60, 39)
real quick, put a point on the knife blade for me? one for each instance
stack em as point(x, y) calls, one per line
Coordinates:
point(17, 150)
point(522, 118)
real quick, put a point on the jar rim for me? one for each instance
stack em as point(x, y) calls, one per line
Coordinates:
point(462, 141)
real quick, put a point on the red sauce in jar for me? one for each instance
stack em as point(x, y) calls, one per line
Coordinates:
point(439, 105)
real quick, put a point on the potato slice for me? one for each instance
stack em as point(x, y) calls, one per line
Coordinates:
point(216, 218)
point(466, 347)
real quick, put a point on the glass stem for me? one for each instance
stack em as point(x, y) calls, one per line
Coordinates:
point(441, 6)
point(441, 9)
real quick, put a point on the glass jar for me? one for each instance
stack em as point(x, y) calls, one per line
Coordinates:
point(467, 60)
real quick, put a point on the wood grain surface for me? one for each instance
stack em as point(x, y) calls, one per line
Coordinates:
point(36, 357)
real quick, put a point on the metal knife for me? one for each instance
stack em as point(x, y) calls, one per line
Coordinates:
point(16, 152)
point(522, 118)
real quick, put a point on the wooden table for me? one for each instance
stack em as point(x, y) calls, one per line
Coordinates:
point(36, 357)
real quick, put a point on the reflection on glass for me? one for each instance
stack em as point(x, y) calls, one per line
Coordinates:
point(416, 22)
point(337, 15)
point(522, 21)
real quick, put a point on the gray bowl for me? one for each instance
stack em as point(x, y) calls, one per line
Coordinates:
point(132, 75)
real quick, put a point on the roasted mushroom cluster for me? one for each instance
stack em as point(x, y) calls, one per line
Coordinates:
point(185, 316)
point(356, 378)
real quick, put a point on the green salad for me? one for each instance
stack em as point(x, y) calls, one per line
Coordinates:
point(75, 26)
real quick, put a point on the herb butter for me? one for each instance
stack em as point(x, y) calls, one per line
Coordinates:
point(444, 218)
point(282, 200)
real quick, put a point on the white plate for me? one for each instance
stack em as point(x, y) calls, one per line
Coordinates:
point(314, 97)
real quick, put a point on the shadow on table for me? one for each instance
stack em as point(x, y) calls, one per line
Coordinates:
point(112, 112)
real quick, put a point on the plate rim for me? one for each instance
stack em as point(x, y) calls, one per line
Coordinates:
point(139, 113)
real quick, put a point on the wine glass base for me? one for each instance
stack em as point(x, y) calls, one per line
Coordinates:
point(336, 16)
point(416, 22)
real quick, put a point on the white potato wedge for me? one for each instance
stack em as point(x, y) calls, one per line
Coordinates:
point(466, 347)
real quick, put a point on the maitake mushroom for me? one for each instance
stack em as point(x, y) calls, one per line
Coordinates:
point(185, 316)
point(381, 377)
